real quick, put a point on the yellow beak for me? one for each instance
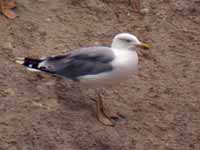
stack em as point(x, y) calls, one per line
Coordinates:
point(143, 46)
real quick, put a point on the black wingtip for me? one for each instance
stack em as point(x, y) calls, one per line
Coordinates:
point(29, 62)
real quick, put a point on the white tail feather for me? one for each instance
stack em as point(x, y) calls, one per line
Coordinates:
point(20, 60)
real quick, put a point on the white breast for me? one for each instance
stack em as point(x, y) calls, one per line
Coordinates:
point(124, 64)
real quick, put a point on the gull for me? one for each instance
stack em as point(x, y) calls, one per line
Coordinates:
point(96, 67)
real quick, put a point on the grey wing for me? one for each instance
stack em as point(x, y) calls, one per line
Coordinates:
point(85, 61)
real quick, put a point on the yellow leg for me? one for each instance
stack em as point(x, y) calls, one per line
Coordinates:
point(101, 115)
point(5, 9)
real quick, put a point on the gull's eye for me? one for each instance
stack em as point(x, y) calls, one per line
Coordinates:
point(128, 40)
point(125, 40)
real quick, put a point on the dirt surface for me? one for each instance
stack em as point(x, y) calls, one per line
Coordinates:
point(160, 105)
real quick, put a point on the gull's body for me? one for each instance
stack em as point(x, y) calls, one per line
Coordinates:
point(95, 67)
point(125, 64)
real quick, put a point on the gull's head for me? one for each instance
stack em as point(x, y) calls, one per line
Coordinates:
point(127, 41)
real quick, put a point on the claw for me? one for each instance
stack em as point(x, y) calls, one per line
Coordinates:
point(105, 120)
point(9, 13)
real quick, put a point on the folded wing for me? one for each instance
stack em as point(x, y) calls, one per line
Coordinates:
point(85, 61)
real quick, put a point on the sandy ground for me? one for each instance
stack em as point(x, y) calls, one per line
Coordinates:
point(160, 105)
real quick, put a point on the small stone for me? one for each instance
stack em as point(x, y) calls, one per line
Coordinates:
point(144, 11)
point(9, 91)
point(38, 104)
point(48, 19)
point(96, 43)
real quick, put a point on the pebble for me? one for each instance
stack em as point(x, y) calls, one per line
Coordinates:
point(144, 11)
point(48, 19)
